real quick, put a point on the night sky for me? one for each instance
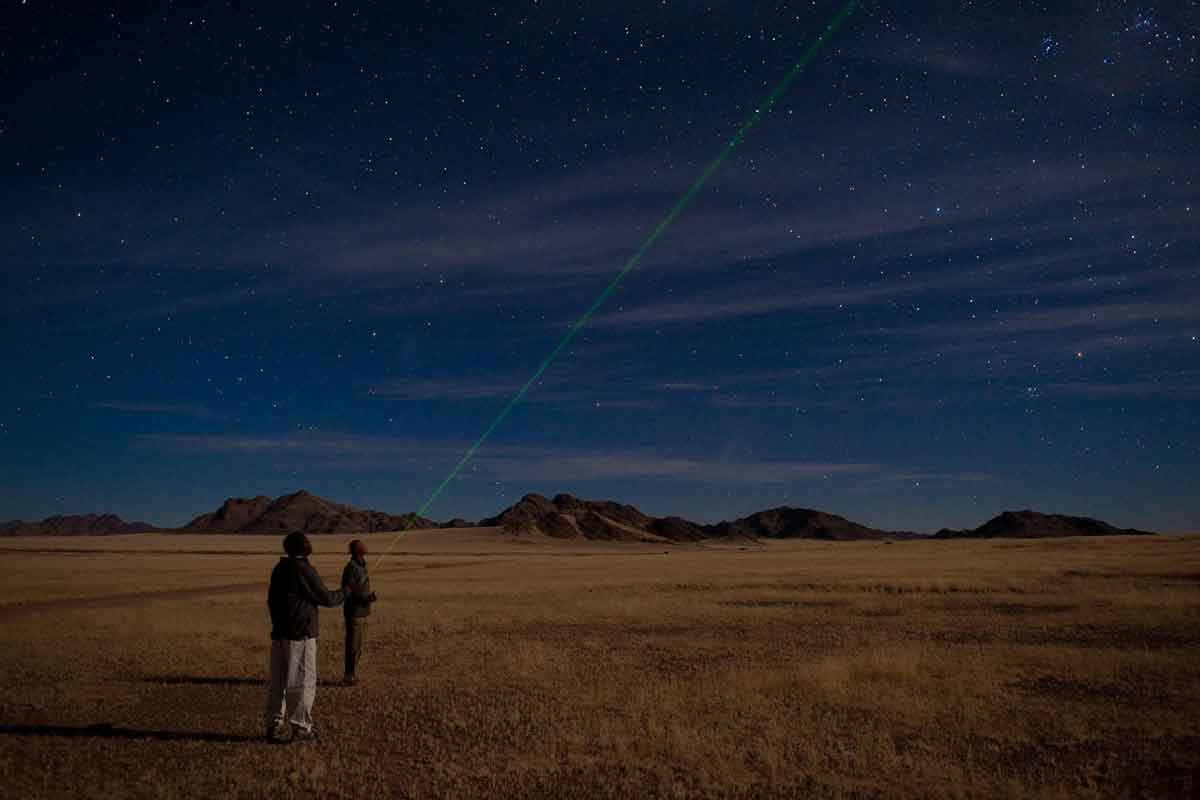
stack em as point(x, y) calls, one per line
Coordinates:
point(319, 245)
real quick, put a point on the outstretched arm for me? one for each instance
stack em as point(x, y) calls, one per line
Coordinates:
point(314, 588)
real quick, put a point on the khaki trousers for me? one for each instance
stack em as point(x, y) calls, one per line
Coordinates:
point(293, 684)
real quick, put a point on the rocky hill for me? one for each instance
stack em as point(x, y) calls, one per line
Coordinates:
point(301, 511)
point(1033, 525)
point(569, 517)
point(75, 525)
point(802, 523)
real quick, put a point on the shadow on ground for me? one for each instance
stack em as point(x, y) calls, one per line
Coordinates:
point(104, 730)
point(204, 680)
point(218, 680)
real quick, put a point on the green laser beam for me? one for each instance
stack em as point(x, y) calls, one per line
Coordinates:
point(683, 202)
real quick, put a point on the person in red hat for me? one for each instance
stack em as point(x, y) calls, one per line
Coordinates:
point(356, 583)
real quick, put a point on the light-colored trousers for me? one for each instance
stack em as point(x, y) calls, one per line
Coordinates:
point(293, 682)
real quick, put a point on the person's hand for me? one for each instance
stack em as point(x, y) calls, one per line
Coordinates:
point(372, 597)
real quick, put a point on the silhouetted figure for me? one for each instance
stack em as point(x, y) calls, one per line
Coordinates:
point(296, 593)
point(359, 597)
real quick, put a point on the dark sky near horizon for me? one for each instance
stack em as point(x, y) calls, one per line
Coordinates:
point(319, 245)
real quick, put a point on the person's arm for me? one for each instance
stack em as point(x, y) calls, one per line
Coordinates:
point(314, 589)
point(367, 593)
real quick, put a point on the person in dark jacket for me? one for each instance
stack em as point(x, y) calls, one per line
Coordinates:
point(295, 594)
point(359, 597)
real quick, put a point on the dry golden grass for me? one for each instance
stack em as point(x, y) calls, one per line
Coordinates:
point(537, 668)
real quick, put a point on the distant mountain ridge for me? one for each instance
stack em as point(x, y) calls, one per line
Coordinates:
point(1034, 525)
point(786, 522)
point(300, 511)
point(564, 516)
point(568, 517)
point(75, 525)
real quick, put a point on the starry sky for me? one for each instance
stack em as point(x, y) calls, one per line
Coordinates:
point(248, 250)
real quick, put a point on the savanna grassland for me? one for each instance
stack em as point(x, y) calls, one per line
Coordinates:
point(136, 666)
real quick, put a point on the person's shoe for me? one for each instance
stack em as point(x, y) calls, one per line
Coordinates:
point(303, 734)
point(277, 734)
point(349, 680)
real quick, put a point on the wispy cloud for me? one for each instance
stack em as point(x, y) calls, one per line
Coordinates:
point(717, 306)
point(482, 388)
point(592, 219)
point(529, 463)
point(1100, 316)
point(783, 292)
point(685, 386)
point(561, 392)
point(303, 444)
point(1178, 384)
point(549, 242)
point(1111, 50)
point(641, 464)
point(173, 409)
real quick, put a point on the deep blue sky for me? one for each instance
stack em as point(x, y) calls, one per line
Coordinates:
point(318, 246)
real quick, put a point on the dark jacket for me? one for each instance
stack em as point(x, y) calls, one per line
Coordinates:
point(296, 591)
point(356, 583)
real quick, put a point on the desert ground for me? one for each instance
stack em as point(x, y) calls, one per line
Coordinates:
point(135, 666)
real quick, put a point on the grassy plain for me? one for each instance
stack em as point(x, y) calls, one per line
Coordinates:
point(135, 666)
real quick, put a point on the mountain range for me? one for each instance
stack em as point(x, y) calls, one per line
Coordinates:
point(569, 517)
point(75, 525)
point(564, 516)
